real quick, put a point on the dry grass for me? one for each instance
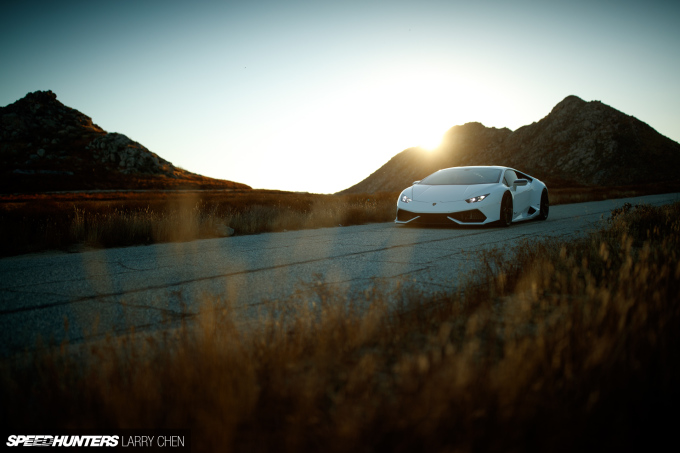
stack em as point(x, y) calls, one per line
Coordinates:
point(59, 221)
point(553, 347)
point(567, 195)
point(37, 222)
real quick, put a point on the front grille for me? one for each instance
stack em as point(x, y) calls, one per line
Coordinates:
point(473, 216)
point(433, 219)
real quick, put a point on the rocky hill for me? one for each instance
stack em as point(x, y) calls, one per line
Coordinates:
point(577, 144)
point(45, 145)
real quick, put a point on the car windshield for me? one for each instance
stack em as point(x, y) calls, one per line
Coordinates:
point(463, 176)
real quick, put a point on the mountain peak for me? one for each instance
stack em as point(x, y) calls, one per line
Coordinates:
point(571, 99)
point(45, 145)
point(578, 143)
point(569, 104)
point(39, 96)
point(40, 113)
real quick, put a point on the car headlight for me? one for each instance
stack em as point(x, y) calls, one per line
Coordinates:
point(476, 199)
point(405, 199)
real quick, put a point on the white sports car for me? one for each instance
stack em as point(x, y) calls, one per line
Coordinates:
point(473, 196)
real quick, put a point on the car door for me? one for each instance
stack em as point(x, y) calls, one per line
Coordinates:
point(525, 194)
point(521, 194)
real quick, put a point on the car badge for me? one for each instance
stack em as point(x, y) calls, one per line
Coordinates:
point(434, 204)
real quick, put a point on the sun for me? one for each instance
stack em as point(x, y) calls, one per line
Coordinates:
point(431, 143)
point(426, 132)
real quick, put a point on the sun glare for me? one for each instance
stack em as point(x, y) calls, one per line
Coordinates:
point(421, 106)
point(431, 143)
point(357, 130)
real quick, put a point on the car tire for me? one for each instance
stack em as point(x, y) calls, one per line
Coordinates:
point(506, 211)
point(545, 206)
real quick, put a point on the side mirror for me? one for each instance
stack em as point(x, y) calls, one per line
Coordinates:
point(520, 182)
point(416, 182)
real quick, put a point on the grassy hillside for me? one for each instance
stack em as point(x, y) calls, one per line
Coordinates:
point(74, 221)
point(69, 221)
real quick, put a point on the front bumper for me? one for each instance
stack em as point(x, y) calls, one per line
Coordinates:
point(459, 212)
point(474, 216)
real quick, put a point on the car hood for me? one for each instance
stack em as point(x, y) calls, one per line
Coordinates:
point(444, 194)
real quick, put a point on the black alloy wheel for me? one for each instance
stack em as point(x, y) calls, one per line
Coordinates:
point(545, 206)
point(506, 210)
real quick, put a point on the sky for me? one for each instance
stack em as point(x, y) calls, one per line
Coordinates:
point(314, 96)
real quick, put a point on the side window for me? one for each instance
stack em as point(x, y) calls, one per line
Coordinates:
point(509, 178)
point(523, 176)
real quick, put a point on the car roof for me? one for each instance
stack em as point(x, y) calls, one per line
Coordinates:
point(497, 167)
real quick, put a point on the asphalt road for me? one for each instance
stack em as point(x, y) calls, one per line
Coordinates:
point(101, 291)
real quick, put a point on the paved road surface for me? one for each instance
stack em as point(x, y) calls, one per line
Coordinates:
point(146, 285)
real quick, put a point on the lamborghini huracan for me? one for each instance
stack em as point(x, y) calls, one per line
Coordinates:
point(473, 196)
